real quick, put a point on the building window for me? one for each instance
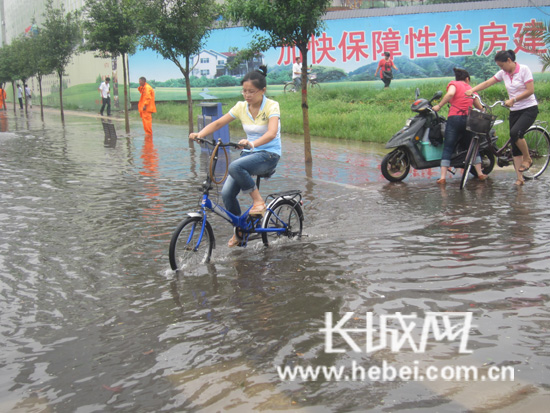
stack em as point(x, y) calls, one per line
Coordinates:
point(221, 62)
point(205, 60)
point(205, 72)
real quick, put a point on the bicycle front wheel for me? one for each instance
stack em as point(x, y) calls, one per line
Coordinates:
point(538, 142)
point(188, 247)
point(284, 213)
point(289, 87)
point(469, 161)
point(315, 86)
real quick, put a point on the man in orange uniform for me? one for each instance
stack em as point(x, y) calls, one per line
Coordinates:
point(146, 105)
point(2, 97)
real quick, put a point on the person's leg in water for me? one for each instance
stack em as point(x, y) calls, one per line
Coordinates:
point(240, 179)
point(449, 144)
point(520, 121)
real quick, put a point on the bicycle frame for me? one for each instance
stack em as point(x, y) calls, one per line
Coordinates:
point(243, 222)
point(504, 154)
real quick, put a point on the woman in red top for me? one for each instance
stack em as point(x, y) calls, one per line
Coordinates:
point(385, 66)
point(456, 120)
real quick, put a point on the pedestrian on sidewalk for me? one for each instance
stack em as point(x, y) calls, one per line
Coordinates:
point(105, 93)
point(146, 105)
point(20, 95)
point(28, 94)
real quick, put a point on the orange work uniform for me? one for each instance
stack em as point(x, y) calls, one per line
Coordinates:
point(147, 100)
point(2, 98)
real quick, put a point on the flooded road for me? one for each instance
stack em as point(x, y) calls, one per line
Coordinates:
point(94, 320)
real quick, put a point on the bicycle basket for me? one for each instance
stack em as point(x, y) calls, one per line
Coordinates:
point(480, 122)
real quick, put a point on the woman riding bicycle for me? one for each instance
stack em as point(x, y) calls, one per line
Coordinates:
point(260, 118)
point(455, 128)
point(523, 105)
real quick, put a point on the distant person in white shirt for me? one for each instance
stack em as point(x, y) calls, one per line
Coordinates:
point(28, 94)
point(297, 73)
point(20, 95)
point(104, 91)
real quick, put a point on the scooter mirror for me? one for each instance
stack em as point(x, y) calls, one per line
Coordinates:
point(416, 93)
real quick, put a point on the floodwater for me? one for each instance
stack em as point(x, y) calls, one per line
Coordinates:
point(94, 320)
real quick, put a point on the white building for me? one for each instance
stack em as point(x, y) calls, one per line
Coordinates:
point(212, 64)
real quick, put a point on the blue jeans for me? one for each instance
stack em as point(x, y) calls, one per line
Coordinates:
point(455, 130)
point(240, 179)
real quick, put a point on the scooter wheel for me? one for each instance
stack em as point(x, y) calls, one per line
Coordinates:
point(395, 166)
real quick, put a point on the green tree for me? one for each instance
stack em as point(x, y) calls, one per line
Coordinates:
point(177, 30)
point(110, 29)
point(22, 62)
point(289, 23)
point(62, 35)
point(8, 72)
point(39, 61)
point(482, 67)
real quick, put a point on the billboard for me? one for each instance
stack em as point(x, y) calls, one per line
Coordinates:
point(349, 44)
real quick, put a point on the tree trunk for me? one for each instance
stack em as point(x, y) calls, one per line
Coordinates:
point(25, 96)
point(126, 117)
point(61, 95)
point(40, 89)
point(188, 89)
point(305, 109)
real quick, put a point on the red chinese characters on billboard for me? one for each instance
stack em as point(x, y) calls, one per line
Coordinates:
point(420, 43)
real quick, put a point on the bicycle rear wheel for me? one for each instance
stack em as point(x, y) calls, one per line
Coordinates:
point(283, 213)
point(538, 142)
point(469, 160)
point(185, 249)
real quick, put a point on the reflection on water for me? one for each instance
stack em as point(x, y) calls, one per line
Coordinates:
point(94, 320)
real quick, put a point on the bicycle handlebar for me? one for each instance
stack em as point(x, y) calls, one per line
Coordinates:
point(498, 102)
point(214, 143)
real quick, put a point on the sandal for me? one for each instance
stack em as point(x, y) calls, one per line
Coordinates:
point(441, 181)
point(234, 242)
point(525, 166)
point(257, 210)
point(519, 182)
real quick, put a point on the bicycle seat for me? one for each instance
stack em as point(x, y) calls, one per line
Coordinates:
point(267, 175)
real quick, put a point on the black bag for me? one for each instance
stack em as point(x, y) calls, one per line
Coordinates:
point(387, 74)
point(437, 131)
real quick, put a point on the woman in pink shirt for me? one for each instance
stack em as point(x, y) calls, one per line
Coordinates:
point(455, 129)
point(523, 105)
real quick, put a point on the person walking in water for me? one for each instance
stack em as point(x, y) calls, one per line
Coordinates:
point(456, 121)
point(146, 105)
point(105, 93)
point(522, 102)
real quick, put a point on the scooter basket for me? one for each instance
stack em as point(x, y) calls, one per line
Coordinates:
point(480, 123)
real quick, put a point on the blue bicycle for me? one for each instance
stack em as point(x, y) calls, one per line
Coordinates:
point(193, 240)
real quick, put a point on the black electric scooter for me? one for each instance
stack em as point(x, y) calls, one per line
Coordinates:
point(420, 144)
